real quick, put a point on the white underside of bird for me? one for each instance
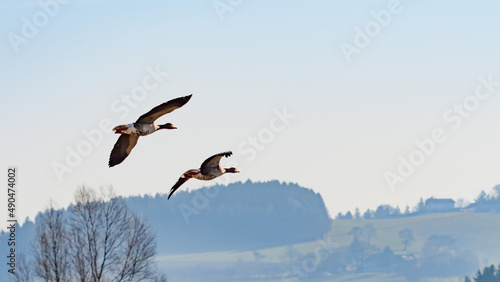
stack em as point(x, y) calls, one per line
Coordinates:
point(138, 128)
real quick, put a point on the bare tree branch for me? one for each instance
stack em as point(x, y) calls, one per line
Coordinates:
point(24, 271)
point(102, 241)
point(51, 249)
point(113, 244)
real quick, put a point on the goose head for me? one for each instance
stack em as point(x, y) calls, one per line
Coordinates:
point(231, 170)
point(167, 126)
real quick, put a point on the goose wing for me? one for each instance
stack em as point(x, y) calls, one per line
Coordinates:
point(164, 108)
point(213, 162)
point(181, 181)
point(122, 149)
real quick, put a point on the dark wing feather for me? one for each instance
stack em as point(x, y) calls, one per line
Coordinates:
point(164, 108)
point(122, 149)
point(213, 162)
point(181, 181)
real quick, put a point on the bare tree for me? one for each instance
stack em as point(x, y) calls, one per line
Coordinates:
point(160, 278)
point(24, 271)
point(369, 231)
point(113, 244)
point(50, 247)
point(406, 237)
point(79, 262)
point(138, 250)
point(83, 231)
point(356, 232)
point(103, 242)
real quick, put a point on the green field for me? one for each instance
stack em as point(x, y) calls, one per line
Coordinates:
point(475, 233)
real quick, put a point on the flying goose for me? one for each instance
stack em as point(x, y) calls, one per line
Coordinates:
point(145, 125)
point(209, 170)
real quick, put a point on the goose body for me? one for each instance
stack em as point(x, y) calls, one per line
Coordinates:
point(145, 125)
point(137, 128)
point(210, 169)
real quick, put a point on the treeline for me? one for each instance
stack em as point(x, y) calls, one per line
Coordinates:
point(387, 211)
point(489, 274)
point(382, 211)
point(483, 203)
point(487, 202)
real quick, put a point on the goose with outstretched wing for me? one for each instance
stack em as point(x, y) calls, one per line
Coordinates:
point(209, 170)
point(145, 125)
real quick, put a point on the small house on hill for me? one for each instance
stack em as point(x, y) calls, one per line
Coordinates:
point(439, 205)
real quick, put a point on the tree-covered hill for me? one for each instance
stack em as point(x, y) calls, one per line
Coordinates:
point(239, 216)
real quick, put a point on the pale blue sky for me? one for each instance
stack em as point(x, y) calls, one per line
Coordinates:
point(352, 120)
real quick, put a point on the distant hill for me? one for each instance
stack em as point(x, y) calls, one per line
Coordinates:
point(239, 216)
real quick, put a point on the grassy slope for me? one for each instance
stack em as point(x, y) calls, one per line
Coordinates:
point(475, 232)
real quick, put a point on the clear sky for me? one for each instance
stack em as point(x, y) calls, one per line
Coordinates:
point(328, 94)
